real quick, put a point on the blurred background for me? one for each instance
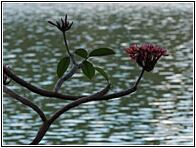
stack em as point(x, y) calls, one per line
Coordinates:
point(160, 112)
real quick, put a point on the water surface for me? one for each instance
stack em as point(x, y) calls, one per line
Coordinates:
point(160, 112)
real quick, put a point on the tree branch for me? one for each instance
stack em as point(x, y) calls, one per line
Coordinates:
point(67, 76)
point(124, 92)
point(37, 90)
point(67, 97)
point(25, 101)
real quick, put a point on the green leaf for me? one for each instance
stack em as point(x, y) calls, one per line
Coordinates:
point(101, 52)
point(88, 69)
point(62, 66)
point(82, 53)
point(102, 72)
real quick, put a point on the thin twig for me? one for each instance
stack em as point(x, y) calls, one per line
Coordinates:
point(67, 49)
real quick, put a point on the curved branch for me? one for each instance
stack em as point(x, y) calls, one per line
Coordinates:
point(37, 90)
point(25, 101)
point(124, 92)
point(67, 76)
point(117, 94)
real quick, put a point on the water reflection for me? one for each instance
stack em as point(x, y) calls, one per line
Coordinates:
point(159, 112)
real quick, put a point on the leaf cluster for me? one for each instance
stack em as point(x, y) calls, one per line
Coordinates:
point(88, 68)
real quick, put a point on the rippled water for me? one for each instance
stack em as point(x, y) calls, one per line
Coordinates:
point(160, 112)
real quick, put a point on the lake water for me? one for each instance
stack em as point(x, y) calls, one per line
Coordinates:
point(160, 112)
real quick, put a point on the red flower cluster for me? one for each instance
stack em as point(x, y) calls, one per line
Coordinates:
point(5, 76)
point(147, 55)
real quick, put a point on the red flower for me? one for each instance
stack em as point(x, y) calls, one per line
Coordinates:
point(147, 55)
point(5, 76)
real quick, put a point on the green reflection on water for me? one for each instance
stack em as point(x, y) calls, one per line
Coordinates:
point(164, 97)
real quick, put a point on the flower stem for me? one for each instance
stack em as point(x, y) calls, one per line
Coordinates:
point(138, 80)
